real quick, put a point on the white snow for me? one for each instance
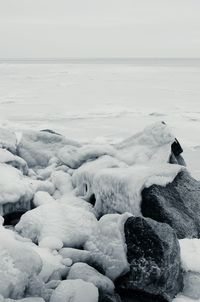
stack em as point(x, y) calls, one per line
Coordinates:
point(190, 254)
point(71, 225)
point(107, 245)
point(75, 291)
point(190, 258)
point(89, 274)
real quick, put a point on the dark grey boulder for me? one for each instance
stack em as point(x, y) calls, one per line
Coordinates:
point(155, 266)
point(177, 204)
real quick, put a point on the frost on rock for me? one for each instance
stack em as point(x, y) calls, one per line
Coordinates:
point(82, 178)
point(8, 158)
point(18, 265)
point(89, 274)
point(8, 140)
point(75, 291)
point(152, 144)
point(107, 245)
point(71, 225)
point(119, 190)
point(38, 147)
point(74, 157)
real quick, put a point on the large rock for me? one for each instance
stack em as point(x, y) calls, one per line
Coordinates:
point(87, 273)
point(177, 204)
point(153, 253)
point(38, 147)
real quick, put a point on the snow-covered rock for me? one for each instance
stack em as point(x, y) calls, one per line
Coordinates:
point(38, 147)
point(15, 190)
point(71, 225)
point(74, 157)
point(107, 245)
point(75, 255)
point(89, 274)
point(42, 197)
point(119, 190)
point(153, 144)
point(83, 177)
point(75, 291)
point(19, 265)
point(7, 157)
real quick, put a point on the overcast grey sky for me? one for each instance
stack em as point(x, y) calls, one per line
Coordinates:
point(99, 28)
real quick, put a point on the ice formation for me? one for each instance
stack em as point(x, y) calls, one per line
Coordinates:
point(8, 158)
point(75, 291)
point(38, 147)
point(107, 245)
point(119, 190)
point(89, 274)
point(13, 185)
point(74, 157)
point(71, 225)
point(152, 144)
point(18, 265)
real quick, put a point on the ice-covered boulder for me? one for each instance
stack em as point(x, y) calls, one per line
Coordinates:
point(38, 147)
point(8, 140)
point(7, 157)
point(16, 191)
point(83, 177)
point(87, 273)
point(119, 190)
point(75, 255)
point(74, 157)
point(177, 204)
point(54, 266)
point(107, 245)
point(70, 225)
point(75, 291)
point(152, 144)
point(19, 266)
point(153, 253)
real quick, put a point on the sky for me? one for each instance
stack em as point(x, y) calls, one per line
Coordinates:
point(99, 28)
